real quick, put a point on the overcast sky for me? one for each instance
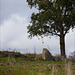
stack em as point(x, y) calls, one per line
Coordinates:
point(14, 18)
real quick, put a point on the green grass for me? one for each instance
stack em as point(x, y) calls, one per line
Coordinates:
point(21, 66)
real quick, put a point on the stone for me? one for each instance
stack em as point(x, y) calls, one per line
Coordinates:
point(46, 55)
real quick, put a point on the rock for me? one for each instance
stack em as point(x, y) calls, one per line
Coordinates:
point(47, 55)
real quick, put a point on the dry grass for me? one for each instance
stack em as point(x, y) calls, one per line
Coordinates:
point(31, 55)
point(19, 66)
point(39, 57)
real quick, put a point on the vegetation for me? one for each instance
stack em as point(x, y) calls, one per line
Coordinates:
point(21, 66)
point(55, 17)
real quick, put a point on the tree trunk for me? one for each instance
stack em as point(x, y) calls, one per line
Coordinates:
point(62, 46)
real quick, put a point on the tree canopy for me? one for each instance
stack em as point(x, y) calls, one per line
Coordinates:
point(53, 16)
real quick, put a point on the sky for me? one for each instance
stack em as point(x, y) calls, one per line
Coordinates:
point(14, 19)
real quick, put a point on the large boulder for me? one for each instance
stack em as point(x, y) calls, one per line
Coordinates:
point(47, 55)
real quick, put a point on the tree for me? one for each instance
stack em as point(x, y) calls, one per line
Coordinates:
point(55, 17)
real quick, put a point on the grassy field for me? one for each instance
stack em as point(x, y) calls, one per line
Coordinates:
point(19, 66)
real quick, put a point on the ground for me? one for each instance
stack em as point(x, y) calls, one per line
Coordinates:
point(19, 66)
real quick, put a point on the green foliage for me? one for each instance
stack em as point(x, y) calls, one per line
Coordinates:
point(7, 59)
point(27, 67)
point(3, 60)
point(53, 16)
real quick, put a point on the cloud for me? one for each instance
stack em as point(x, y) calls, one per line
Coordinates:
point(13, 28)
point(10, 7)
